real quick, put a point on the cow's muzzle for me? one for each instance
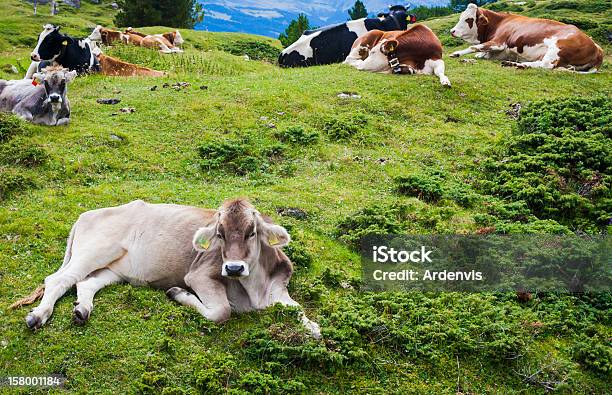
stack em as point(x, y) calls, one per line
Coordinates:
point(35, 57)
point(235, 269)
point(55, 98)
point(452, 32)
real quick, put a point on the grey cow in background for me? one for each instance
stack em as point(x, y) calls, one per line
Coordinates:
point(43, 102)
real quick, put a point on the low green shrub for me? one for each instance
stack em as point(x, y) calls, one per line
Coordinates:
point(556, 165)
point(12, 181)
point(298, 135)
point(18, 152)
point(345, 127)
point(373, 220)
point(422, 186)
point(595, 353)
point(256, 50)
point(581, 23)
point(239, 156)
point(10, 125)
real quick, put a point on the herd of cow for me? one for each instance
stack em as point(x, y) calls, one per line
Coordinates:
point(231, 257)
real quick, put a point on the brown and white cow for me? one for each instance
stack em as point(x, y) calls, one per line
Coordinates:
point(118, 68)
point(414, 51)
point(216, 261)
point(105, 36)
point(166, 43)
point(526, 42)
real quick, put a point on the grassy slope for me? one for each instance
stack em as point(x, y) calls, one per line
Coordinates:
point(157, 162)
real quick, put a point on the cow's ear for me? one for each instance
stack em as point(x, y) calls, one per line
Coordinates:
point(38, 76)
point(388, 46)
point(70, 75)
point(203, 237)
point(272, 234)
point(472, 5)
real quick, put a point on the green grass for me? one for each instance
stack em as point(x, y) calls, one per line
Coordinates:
point(137, 340)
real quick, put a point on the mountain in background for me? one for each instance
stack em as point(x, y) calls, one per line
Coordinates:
point(271, 17)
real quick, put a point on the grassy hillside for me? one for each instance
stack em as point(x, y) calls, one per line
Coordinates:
point(308, 149)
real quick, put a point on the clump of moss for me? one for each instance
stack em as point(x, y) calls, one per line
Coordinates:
point(12, 181)
point(10, 126)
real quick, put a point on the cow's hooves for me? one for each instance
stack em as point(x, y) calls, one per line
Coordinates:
point(173, 292)
point(33, 321)
point(455, 55)
point(507, 63)
point(80, 315)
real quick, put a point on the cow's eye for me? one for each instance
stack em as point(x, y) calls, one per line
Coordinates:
point(252, 235)
point(219, 235)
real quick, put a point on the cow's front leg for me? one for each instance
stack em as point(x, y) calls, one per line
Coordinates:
point(211, 300)
point(484, 47)
point(24, 114)
point(280, 295)
point(63, 121)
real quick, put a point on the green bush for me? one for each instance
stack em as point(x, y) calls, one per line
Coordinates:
point(13, 181)
point(595, 353)
point(298, 135)
point(256, 50)
point(424, 187)
point(556, 165)
point(373, 220)
point(10, 125)
point(345, 127)
point(240, 156)
point(581, 23)
point(18, 152)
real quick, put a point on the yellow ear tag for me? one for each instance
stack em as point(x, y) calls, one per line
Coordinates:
point(65, 42)
point(204, 243)
point(273, 240)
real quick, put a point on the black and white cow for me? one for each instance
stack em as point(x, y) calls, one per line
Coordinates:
point(332, 44)
point(72, 53)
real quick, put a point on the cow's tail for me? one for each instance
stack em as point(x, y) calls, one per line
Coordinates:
point(68, 254)
point(38, 292)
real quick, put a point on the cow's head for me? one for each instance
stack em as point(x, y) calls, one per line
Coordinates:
point(96, 35)
point(397, 17)
point(55, 80)
point(50, 44)
point(469, 21)
point(175, 38)
point(239, 230)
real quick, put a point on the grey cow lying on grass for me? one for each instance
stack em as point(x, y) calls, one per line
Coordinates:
point(230, 258)
point(42, 100)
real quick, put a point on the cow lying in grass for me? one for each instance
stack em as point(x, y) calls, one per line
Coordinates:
point(105, 36)
point(81, 55)
point(230, 259)
point(118, 68)
point(44, 102)
point(331, 44)
point(166, 43)
point(414, 51)
point(526, 42)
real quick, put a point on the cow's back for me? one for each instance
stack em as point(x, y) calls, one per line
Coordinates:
point(14, 92)
point(156, 238)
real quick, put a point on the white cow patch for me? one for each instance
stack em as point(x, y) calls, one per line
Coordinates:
point(302, 45)
point(357, 26)
point(48, 29)
point(463, 30)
